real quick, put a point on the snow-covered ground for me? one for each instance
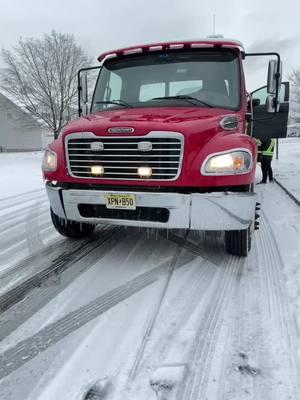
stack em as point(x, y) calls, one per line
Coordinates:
point(131, 314)
point(20, 173)
point(287, 167)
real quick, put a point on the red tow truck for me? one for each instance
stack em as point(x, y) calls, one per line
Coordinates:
point(167, 142)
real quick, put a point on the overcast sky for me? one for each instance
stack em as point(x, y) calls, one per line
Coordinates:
point(100, 25)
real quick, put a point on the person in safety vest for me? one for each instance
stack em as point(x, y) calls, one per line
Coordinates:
point(267, 151)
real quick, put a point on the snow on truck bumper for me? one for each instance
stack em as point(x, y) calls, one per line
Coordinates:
point(208, 211)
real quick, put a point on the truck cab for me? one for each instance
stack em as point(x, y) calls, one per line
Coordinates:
point(167, 142)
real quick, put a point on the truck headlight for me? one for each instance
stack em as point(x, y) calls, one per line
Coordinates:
point(229, 163)
point(49, 161)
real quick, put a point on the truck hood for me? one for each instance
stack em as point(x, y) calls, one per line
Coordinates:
point(203, 136)
point(144, 120)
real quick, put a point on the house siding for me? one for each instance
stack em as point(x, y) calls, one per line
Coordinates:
point(19, 131)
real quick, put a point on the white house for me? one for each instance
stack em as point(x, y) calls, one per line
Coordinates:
point(19, 131)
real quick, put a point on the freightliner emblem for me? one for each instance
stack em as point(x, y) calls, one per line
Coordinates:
point(97, 146)
point(122, 129)
point(144, 146)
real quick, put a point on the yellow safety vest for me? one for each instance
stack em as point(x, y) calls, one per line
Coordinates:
point(270, 150)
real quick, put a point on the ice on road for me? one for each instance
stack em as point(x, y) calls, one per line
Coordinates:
point(132, 314)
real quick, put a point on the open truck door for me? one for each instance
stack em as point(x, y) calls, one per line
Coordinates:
point(264, 125)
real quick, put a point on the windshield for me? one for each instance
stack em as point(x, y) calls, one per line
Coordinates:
point(211, 77)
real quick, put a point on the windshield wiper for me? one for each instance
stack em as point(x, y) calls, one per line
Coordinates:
point(189, 99)
point(117, 102)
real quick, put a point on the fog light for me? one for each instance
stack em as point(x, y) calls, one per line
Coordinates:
point(97, 170)
point(145, 172)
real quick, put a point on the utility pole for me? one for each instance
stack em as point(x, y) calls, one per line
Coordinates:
point(214, 24)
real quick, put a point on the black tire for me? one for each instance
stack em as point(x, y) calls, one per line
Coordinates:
point(71, 229)
point(238, 243)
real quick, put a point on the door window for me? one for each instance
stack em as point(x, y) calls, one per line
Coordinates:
point(262, 94)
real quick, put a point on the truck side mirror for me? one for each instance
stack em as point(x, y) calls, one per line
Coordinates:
point(274, 81)
point(84, 91)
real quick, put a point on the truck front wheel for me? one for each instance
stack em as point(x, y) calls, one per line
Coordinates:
point(71, 229)
point(238, 243)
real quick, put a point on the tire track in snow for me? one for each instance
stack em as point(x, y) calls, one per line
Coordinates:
point(33, 229)
point(30, 193)
point(202, 350)
point(14, 222)
point(209, 251)
point(153, 318)
point(16, 253)
point(31, 235)
point(200, 281)
point(247, 362)
point(155, 354)
point(57, 282)
point(287, 192)
point(278, 312)
point(15, 216)
point(19, 202)
point(27, 349)
point(184, 306)
point(57, 266)
point(37, 255)
point(30, 238)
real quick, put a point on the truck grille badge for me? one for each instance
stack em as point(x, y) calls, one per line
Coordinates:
point(144, 146)
point(97, 146)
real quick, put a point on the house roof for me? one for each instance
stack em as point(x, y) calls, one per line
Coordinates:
point(22, 108)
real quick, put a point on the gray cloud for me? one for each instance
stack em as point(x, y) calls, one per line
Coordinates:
point(256, 67)
point(100, 25)
point(281, 45)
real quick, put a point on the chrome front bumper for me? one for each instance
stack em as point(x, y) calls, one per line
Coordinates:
point(208, 211)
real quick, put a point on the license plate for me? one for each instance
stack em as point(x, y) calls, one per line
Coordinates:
point(120, 201)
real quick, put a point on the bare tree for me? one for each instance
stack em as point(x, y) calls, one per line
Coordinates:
point(294, 78)
point(41, 75)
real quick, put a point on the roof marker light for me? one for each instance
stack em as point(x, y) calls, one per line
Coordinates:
point(155, 48)
point(176, 46)
point(199, 45)
point(133, 51)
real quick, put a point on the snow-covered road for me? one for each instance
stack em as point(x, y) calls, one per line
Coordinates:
point(142, 315)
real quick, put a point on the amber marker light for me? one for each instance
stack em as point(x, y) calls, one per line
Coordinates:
point(239, 163)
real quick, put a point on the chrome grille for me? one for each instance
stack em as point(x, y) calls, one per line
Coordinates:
point(121, 156)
